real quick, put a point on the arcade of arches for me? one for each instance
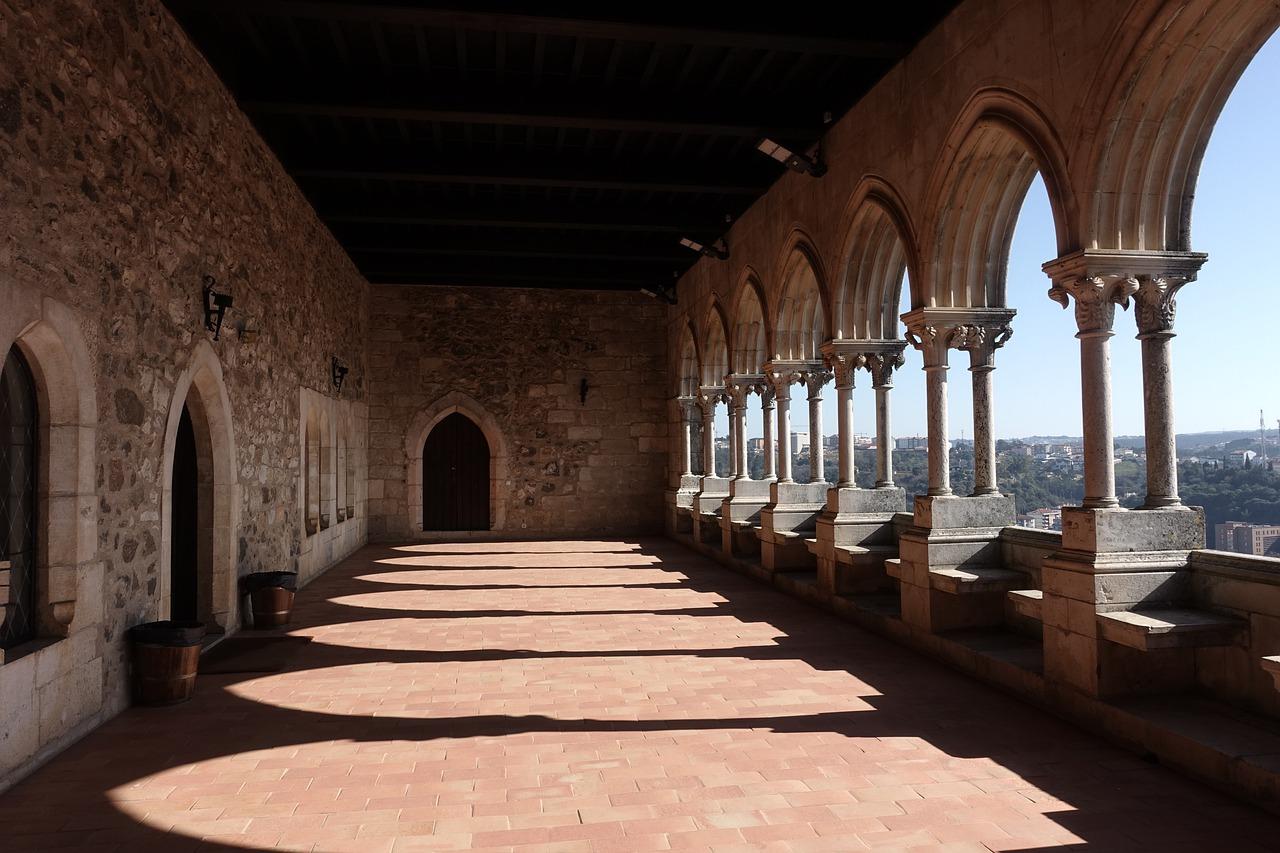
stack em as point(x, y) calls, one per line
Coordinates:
point(148, 461)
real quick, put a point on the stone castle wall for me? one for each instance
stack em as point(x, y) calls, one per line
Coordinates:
point(519, 356)
point(129, 174)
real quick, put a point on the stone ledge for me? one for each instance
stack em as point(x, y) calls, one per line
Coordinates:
point(1026, 602)
point(1169, 628)
point(1271, 664)
point(974, 581)
point(847, 554)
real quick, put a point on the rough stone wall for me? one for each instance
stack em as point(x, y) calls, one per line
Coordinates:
point(573, 467)
point(128, 175)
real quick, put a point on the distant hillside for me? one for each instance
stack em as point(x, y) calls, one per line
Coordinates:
point(1187, 441)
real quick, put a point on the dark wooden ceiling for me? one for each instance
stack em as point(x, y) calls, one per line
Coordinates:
point(562, 147)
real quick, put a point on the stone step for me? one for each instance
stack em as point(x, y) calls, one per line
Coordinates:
point(893, 567)
point(847, 554)
point(1271, 664)
point(976, 580)
point(1026, 602)
point(1170, 628)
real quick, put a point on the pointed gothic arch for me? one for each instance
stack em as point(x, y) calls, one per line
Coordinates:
point(801, 327)
point(202, 394)
point(1158, 112)
point(879, 251)
point(994, 151)
point(751, 331)
point(416, 439)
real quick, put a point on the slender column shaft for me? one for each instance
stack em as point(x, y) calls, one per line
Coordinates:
point(844, 399)
point(686, 443)
point(1155, 307)
point(817, 454)
point(784, 435)
point(768, 408)
point(884, 439)
point(984, 437)
point(709, 438)
point(1162, 453)
point(1099, 443)
point(741, 471)
point(936, 400)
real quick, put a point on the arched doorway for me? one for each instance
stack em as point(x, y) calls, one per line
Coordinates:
point(184, 557)
point(455, 476)
point(19, 422)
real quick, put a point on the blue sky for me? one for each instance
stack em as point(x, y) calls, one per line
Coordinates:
point(1226, 354)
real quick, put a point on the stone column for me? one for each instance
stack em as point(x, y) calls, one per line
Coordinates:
point(768, 409)
point(981, 342)
point(738, 428)
point(814, 380)
point(1096, 298)
point(709, 398)
point(932, 343)
point(781, 381)
point(686, 437)
point(844, 367)
point(1154, 305)
point(881, 367)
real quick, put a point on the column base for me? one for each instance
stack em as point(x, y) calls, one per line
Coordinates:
point(706, 510)
point(954, 511)
point(740, 515)
point(787, 521)
point(855, 536)
point(1118, 561)
point(950, 578)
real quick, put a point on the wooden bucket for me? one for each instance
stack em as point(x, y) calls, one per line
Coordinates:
point(272, 606)
point(164, 675)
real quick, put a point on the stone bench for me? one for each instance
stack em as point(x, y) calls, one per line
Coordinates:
point(1027, 603)
point(978, 580)
point(1170, 628)
point(1271, 664)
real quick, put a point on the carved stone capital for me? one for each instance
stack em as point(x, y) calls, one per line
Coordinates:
point(688, 408)
point(881, 366)
point(814, 378)
point(708, 396)
point(1096, 298)
point(1100, 279)
point(981, 340)
point(768, 396)
point(844, 365)
point(783, 374)
point(1155, 304)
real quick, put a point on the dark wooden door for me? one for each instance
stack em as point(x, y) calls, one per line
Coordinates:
point(184, 518)
point(455, 476)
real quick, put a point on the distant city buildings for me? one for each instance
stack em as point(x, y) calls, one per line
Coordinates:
point(912, 442)
point(1045, 518)
point(799, 441)
point(1244, 538)
point(1241, 458)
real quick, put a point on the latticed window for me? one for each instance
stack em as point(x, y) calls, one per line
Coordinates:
point(18, 430)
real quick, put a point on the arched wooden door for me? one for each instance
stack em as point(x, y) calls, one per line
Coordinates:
point(455, 476)
point(184, 515)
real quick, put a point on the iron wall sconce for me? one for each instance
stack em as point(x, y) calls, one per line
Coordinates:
point(338, 371)
point(582, 390)
point(215, 306)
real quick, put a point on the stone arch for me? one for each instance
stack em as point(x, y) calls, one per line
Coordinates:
point(994, 151)
point(200, 388)
point(879, 249)
point(715, 350)
point(49, 337)
point(416, 438)
point(688, 373)
point(751, 332)
point(1158, 113)
point(802, 326)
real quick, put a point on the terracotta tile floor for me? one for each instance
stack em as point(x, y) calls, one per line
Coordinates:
point(599, 696)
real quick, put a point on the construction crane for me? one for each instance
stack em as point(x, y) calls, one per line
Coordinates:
point(1262, 435)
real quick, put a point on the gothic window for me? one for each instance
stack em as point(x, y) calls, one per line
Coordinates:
point(19, 423)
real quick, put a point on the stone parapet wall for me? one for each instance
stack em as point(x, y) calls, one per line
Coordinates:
point(514, 361)
point(129, 175)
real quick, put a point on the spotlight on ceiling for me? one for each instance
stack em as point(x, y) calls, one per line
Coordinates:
point(718, 250)
point(805, 165)
point(665, 292)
